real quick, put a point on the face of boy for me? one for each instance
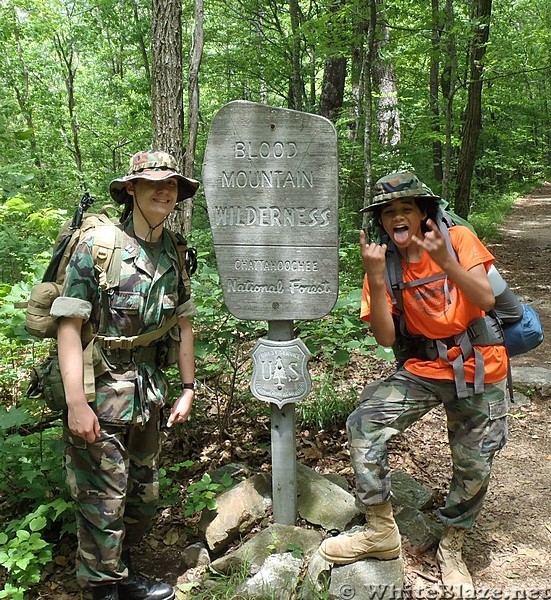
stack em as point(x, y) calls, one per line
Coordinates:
point(156, 199)
point(401, 219)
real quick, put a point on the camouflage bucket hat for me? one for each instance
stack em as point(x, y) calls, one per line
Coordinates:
point(398, 185)
point(155, 166)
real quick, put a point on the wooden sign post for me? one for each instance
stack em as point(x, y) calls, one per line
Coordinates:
point(271, 181)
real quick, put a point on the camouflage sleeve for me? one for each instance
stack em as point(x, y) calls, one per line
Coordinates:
point(80, 288)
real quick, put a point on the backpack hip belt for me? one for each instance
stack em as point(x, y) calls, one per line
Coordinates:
point(126, 356)
point(484, 331)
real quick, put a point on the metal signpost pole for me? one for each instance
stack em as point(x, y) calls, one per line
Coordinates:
point(271, 185)
point(284, 447)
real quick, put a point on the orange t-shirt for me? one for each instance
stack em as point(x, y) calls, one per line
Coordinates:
point(428, 312)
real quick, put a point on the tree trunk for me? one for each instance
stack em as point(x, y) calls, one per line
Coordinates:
point(334, 76)
point(69, 59)
point(296, 100)
point(448, 85)
point(434, 100)
point(193, 118)
point(193, 87)
point(370, 52)
point(167, 107)
point(357, 72)
point(384, 83)
point(332, 91)
point(473, 115)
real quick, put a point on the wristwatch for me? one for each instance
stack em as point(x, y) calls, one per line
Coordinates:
point(188, 386)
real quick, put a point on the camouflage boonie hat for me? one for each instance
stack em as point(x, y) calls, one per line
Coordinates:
point(398, 185)
point(153, 165)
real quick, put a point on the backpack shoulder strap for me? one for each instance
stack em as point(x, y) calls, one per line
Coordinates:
point(187, 259)
point(106, 252)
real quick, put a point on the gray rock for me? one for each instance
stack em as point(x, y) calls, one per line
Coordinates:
point(196, 555)
point(238, 510)
point(322, 502)
point(383, 579)
point(274, 539)
point(407, 491)
point(278, 578)
point(532, 378)
point(319, 572)
point(421, 531)
point(339, 480)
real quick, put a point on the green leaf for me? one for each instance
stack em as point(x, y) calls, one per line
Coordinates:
point(38, 524)
point(341, 357)
point(384, 353)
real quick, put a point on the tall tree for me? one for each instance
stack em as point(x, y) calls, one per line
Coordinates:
point(473, 114)
point(334, 77)
point(68, 57)
point(434, 86)
point(297, 84)
point(167, 106)
point(370, 51)
point(384, 84)
point(193, 87)
point(193, 94)
point(448, 86)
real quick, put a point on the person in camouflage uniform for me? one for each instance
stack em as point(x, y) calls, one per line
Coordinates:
point(112, 444)
point(440, 308)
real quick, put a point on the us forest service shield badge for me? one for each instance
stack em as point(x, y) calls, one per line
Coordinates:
point(280, 373)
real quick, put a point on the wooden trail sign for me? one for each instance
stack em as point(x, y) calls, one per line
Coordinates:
point(271, 184)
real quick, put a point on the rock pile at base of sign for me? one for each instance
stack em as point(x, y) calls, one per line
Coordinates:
point(278, 555)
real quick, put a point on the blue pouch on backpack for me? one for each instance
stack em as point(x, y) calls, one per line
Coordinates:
point(525, 334)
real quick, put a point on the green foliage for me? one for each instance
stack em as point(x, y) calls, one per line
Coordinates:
point(327, 406)
point(339, 333)
point(31, 468)
point(202, 494)
point(23, 550)
point(488, 212)
point(26, 238)
point(218, 586)
point(169, 490)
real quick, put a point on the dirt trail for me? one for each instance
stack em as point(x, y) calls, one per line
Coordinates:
point(510, 548)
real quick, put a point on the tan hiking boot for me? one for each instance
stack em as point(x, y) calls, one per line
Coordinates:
point(380, 539)
point(455, 574)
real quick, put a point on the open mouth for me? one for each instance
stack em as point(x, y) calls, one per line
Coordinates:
point(401, 234)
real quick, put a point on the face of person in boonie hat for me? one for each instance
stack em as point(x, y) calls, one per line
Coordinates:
point(154, 166)
point(398, 185)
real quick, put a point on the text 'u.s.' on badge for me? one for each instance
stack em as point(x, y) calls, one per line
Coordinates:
point(280, 373)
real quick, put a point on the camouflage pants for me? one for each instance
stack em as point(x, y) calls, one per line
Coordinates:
point(115, 485)
point(477, 429)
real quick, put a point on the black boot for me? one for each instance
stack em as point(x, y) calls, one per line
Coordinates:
point(105, 592)
point(135, 587)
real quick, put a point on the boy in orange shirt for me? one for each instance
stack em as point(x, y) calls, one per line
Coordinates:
point(469, 380)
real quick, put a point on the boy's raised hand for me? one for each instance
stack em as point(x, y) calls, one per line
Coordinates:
point(434, 243)
point(373, 257)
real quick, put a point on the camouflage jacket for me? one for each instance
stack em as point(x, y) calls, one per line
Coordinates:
point(147, 295)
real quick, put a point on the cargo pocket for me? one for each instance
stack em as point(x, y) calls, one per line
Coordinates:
point(169, 304)
point(496, 433)
point(127, 302)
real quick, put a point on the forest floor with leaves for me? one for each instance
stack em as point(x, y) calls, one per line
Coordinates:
point(509, 548)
